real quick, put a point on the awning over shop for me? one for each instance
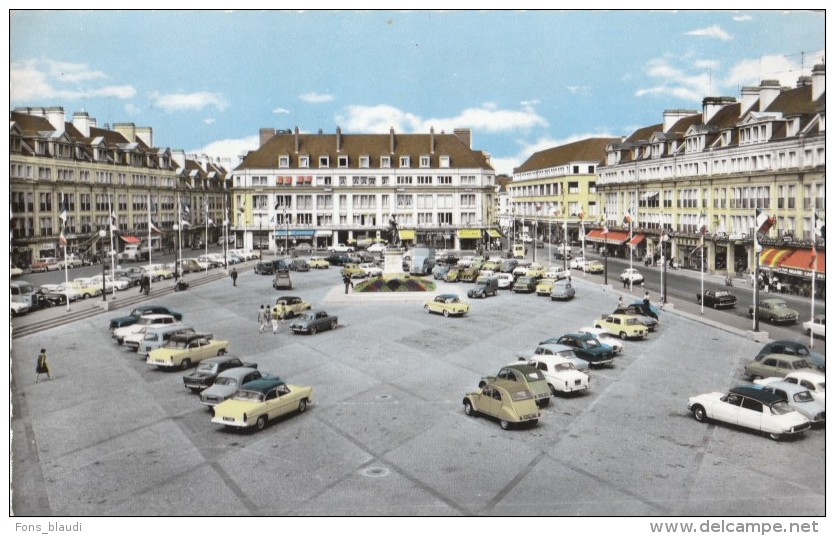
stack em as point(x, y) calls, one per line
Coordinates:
point(772, 257)
point(407, 234)
point(800, 262)
point(130, 239)
point(612, 237)
point(295, 232)
point(469, 233)
point(324, 233)
point(494, 233)
point(637, 239)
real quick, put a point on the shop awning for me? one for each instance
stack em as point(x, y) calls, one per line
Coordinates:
point(772, 257)
point(295, 232)
point(128, 239)
point(469, 233)
point(612, 237)
point(637, 239)
point(324, 233)
point(494, 233)
point(800, 262)
point(407, 234)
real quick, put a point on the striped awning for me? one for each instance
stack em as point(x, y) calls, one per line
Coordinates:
point(130, 239)
point(612, 237)
point(637, 239)
point(801, 262)
point(494, 233)
point(772, 257)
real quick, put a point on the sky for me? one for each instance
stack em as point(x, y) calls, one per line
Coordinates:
point(523, 81)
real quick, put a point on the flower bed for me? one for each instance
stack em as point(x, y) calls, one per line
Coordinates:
point(392, 283)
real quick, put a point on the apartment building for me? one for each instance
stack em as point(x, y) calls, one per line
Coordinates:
point(714, 169)
point(322, 189)
point(101, 177)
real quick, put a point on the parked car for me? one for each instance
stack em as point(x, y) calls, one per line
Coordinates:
point(204, 375)
point(562, 290)
point(289, 306)
point(145, 320)
point(604, 337)
point(640, 312)
point(341, 248)
point(320, 263)
point(370, 269)
point(258, 401)
point(109, 283)
point(799, 399)
point(227, 384)
point(133, 275)
point(71, 261)
point(788, 347)
point(547, 348)
point(158, 272)
point(523, 376)
point(560, 373)
point(717, 298)
point(446, 304)
point(749, 407)
point(313, 321)
point(774, 311)
point(186, 349)
point(593, 267)
point(339, 259)
point(299, 265)
point(586, 347)
point(85, 289)
point(816, 326)
point(524, 284)
point(504, 401)
point(45, 264)
point(508, 265)
point(814, 382)
point(453, 274)
point(282, 281)
point(777, 365)
point(505, 280)
point(623, 326)
point(631, 274)
point(156, 336)
point(440, 271)
point(545, 286)
point(484, 286)
point(58, 294)
point(379, 247)
point(141, 310)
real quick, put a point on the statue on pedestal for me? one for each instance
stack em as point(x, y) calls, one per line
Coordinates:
point(394, 235)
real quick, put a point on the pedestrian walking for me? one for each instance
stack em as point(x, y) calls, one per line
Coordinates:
point(234, 276)
point(348, 282)
point(42, 367)
point(751, 278)
point(646, 300)
point(263, 319)
point(274, 320)
point(625, 282)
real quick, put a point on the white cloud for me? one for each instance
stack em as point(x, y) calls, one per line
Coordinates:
point(779, 67)
point(208, 120)
point(529, 103)
point(34, 80)
point(233, 149)
point(189, 101)
point(743, 18)
point(316, 98)
point(711, 31)
point(281, 111)
point(693, 80)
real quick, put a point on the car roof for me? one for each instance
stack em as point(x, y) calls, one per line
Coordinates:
point(236, 372)
point(262, 385)
point(811, 375)
point(757, 393)
point(157, 315)
point(556, 347)
point(786, 386)
point(524, 368)
point(446, 296)
point(785, 357)
point(286, 298)
point(190, 336)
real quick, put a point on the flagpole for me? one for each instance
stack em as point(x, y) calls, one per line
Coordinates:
point(755, 317)
point(814, 267)
point(112, 253)
point(583, 239)
point(703, 272)
point(206, 232)
point(63, 240)
point(179, 235)
point(150, 243)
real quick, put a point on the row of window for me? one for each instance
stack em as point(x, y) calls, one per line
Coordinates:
point(359, 180)
point(325, 201)
point(344, 161)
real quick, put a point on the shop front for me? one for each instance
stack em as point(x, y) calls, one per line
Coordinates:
point(613, 242)
point(797, 268)
point(287, 239)
point(470, 239)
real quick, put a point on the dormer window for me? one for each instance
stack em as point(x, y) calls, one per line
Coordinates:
point(404, 161)
point(284, 161)
point(324, 161)
point(385, 161)
point(304, 161)
point(424, 161)
point(342, 161)
point(365, 162)
point(443, 161)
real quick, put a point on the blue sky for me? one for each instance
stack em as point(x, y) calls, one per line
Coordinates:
point(524, 81)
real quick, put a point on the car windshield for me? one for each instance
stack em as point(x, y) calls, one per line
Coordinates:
point(568, 354)
point(207, 367)
point(721, 293)
point(535, 375)
point(780, 408)
point(592, 343)
point(779, 305)
point(632, 322)
point(306, 317)
point(226, 381)
point(522, 394)
point(174, 343)
point(249, 396)
point(565, 366)
point(803, 396)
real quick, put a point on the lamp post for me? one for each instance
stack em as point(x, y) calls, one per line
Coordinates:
point(176, 256)
point(102, 234)
point(286, 231)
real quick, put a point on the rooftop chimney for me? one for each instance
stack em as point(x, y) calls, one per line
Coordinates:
point(431, 140)
point(296, 139)
point(264, 135)
point(711, 105)
point(81, 121)
point(769, 90)
point(465, 135)
point(671, 117)
point(178, 156)
point(818, 81)
point(128, 130)
point(146, 134)
point(749, 96)
point(338, 140)
point(391, 140)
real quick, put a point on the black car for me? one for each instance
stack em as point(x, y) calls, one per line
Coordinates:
point(338, 259)
point(134, 315)
point(208, 369)
point(273, 266)
point(793, 348)
point(586, 347)
point(447, 258)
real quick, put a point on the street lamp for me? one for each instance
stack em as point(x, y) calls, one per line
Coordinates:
point(286, 231)
point(102, 234)
point(176, 255)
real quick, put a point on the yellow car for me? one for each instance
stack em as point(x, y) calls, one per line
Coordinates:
point(85, 289)
point(446, 304)
point(318, 262)
point(623, 326)
point(185, 349)
point(593, 267)
point(352, 270)
point(260, 400)
point(289, 306)
point(158, 272)
point(504, 400)
point(536, 270)
point(492, 265)
point(545, 286)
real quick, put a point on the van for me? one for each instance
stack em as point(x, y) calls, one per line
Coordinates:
point(484, 286)
point(519, 251)
point(156, 336)
point(423, 260)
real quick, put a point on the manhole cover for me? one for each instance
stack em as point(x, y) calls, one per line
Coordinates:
point(375, 472)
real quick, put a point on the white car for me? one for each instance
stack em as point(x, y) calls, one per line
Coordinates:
point(576, 263)
point(69, 291)
point(561, 350)
point(799, 399)
point(750, 407)
point(604, 337)
point(110, 283)
point(370, 269)
point(145, 320)
point(71, 261)
point(816, 326)
point(466, 261)
point(631, 274)
point(814, 381)
point(521, 269)
point(505, 280)
point(341, 248)
point(379, 247)
point(556, 272)
point(560, 373)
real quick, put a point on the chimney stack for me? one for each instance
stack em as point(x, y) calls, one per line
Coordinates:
point(391, 140)
point(465, 135)
point(81, 121)
point(128, 130)
point(178, 156)
point(711, 105)
point(338, 140)
point(296, 139)
point(431, 140)
point(818, 81)
point(672, 116)
point(146, 134)
point(769, 90)
point(749, 96)
point(265, 135)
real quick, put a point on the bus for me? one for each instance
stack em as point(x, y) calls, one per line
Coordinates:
point(22, 297)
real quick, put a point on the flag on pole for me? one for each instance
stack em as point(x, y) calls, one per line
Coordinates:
point(242, 208)
point(184, 223)
point(702, 224)
point(627, 219)
point(61, 238)
point(184, 207)
point(820, 226)
point(64, 209)
point(764, 221)
point(113, 226)
point(210, 222)
point(581, 214)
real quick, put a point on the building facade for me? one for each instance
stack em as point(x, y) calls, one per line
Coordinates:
point(100, 177)
point(324, 189)
point(712, 171)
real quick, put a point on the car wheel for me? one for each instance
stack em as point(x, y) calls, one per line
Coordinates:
point(86, 295)
point(716, 305)
point(699, 301)
point(553, 390)
point(261, 422)
point(446, 313)
point(222, 351)
point(426, 309)
point(333, 324)
point(775, 437)
point(313, 330)
point(756, 377)
point(185, 364)
point(699, 413)
point(771, 319)
point(302, 405)
point(504, 424)
point(543, 402)
point(623, 335)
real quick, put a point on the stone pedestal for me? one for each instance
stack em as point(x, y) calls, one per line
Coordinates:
point(393, 258)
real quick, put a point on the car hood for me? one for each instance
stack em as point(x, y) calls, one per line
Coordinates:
point(199, 376)
point(220, 391)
